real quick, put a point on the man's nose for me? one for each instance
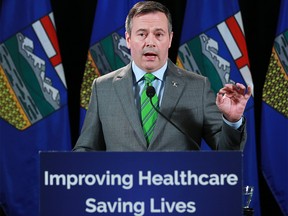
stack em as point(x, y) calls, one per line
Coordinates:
point(150, 41)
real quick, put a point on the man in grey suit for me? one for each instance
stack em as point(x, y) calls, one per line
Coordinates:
point(113, 118)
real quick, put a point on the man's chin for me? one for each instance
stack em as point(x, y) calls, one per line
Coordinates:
point(150, 69)
point(151, 66)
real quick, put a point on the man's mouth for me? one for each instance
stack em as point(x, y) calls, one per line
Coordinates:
point(150, 55)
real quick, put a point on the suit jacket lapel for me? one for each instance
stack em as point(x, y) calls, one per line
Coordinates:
point(123, 84)
point(174, 86)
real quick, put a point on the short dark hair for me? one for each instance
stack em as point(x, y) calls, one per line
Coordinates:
point(145, 7)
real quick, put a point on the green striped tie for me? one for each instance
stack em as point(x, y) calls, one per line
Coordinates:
point(148, 113)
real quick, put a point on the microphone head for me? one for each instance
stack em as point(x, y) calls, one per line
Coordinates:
point(150, 91)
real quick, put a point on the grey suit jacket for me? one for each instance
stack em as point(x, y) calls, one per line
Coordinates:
point(113, 123)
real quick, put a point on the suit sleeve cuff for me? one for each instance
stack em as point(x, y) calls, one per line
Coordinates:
point(234, 125)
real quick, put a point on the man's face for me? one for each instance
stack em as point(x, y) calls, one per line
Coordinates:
point(149, 41)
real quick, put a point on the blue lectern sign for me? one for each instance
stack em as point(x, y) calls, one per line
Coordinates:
point(141, 183)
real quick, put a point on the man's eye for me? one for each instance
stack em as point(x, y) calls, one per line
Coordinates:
point(159, 35)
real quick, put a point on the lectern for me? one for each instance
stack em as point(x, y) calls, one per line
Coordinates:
point(141, 183)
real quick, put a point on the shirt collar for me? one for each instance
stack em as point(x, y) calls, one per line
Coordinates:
point(139, 73)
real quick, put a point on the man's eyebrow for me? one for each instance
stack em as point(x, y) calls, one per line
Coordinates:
point(159, 29)
point(141, 29)
point(154, 30)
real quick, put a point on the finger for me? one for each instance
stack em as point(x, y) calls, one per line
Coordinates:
point(229, 85)
point(233, 87)
point(235, 91)
point(246, 93)
point(230, 92)
point(240, 88)
point(220, 98)
point(226, 88)
point(249, 92)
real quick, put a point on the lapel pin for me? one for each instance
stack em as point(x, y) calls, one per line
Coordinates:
point(175, 84)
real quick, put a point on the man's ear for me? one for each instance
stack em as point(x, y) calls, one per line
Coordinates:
point(127, 36)
point(171, 37)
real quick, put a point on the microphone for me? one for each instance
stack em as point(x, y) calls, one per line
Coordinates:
point(150, 92)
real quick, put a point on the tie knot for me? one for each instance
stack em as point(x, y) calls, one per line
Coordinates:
point(149, 78)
